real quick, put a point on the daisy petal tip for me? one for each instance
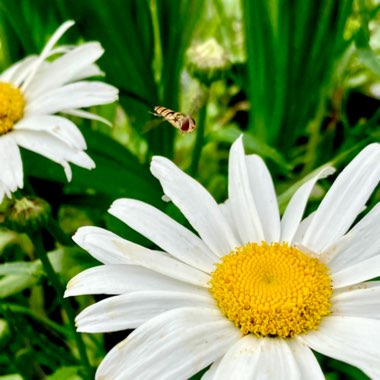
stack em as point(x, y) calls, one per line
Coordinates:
point(80, 236)
point(62, 29)
point(155, 160)
point(68, 172)
point(239, 140)
point(327, 172)
point(156, 165)
point(97, 46)
point(69, 23)
point(374, 146)
point(71, 287)
point(67, 292)
point(115, 206)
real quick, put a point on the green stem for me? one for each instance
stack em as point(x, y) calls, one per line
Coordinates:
point(199, 141)
point(55, 281)
point(314, 140)
point(56, 231)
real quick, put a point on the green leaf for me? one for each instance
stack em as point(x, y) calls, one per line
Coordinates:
point(11, 377)
point(292, 54)
point(66, 373)
point(13, 284)
point(25, 268)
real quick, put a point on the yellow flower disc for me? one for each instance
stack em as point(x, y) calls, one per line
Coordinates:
point(12, 105)
point(272, 290)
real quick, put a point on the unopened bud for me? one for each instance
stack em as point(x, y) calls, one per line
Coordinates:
point(208, 62)
point(28, 214)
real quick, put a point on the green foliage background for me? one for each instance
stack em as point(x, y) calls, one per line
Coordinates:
point(300, 87)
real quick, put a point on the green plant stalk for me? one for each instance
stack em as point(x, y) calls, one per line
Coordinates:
point(314, 140)
point(199, 138)
point(56, 231)
point(55, 281)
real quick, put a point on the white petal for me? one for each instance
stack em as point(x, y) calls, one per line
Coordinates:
point(209, 375)
point(11, 171)
point(264, 195)
point(225, 209)
point(165, 232)
point(100, 244)
point(176, 344)
point(278, 360)
point(253, 358)
point(362, 301)
point(124, 251)
point(302, 228)
point(64, 69)
point(17, 73)
point(355, 341)
point(345, 199)
point(359, 272)
point(196, 204)
point(46, 52)
point(89, 71)
point(59, 127)
point(87, 115)
point(360, 243)
point(307, 363)
point(73, 95)
point(241, 360)
point(243, 206)
point(297, 204)
point(129, 311)
point(52, 148)
point(118, 279)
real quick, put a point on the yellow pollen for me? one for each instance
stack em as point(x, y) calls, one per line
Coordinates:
point(272, 290)
point(12, 105)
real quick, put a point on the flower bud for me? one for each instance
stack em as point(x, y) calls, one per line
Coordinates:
point(27, 214)
point(208, 61)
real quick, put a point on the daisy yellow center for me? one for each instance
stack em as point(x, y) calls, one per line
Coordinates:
point(12, 105)
point(272, 290)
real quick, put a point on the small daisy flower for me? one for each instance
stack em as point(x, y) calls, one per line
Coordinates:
point(251, 294)
point(32, 91)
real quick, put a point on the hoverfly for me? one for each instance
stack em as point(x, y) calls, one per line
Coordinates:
point(185, 123)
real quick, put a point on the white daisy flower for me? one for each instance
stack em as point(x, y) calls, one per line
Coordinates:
point(32, 91)
point(252, 294)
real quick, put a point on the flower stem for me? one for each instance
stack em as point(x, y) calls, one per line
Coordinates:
point(55, 281)
point(56, 231)
point(199, 137)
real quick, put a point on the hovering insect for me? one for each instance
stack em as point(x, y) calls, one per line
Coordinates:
point(185, 123)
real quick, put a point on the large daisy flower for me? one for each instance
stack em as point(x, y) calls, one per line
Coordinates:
point(251, 294)
point(32, 91)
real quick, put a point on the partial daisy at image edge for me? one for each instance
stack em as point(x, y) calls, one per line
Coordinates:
point(33, 91)
point(250, 294)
